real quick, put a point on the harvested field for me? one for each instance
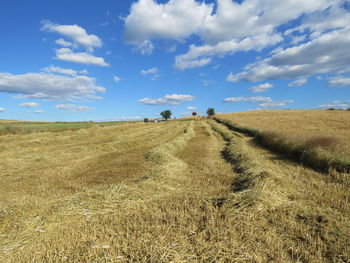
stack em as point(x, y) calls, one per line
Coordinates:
point(298, 124)
point(318, 138)
point(179, 191)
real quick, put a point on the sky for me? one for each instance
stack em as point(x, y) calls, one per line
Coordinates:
point(127, 60)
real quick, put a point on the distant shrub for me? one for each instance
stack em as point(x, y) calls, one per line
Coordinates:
point(211, 112)
point(331, 109)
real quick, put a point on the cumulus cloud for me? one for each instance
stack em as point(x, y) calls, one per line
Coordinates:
point(263, 102)
point(183, 63)
point(75, 33)
point(116, 78)
point(65, 71)
point(83, 71)
point(274, 104)
point(225, 27)
point(336, 105)
point(50, 86)
point(249, 99)
point(67, 54)
point(178, 19)
point(175, 19)
point(29, 105)
point(298, 82)
point(145, 48)
point(339, 81)
point(64, 43)
point(173, 99)
point(327, 53)
point(261, 88)
point(151, 71)
point(334, 17)
point(74, 108)
point(200, 55)
point(191, 108)
point(2, 109)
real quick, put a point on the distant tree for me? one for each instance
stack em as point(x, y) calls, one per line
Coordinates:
point(348, 108)
point(166, 114)
point(194, 113)
point(210, 112)
point(145, 120)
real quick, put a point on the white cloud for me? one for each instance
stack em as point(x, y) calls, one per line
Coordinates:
point(233, 20)
point(75, 33)
point(336, 105)
point(274, 104)
point(225, 27)
point(36, 111)
point(151, 71)
point(249, 99)
point(145, 48)
point(182, 64)
point(116, 78)
point(173, 99)
point(263, 102)
point(334, 17)
point(175, 19)
point(67, 54)
point(65, 71)
point(298, 82)
point(64, 43)
point(29, 105)
point(2, 109)
point(261, 88)
point(196, 53)
point(327, 53)
point(74, 108)
point(84, 71)
point(339, 81)
point(191, 108)
point(50, 86)
point(178, 19)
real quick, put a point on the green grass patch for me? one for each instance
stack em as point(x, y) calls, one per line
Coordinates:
point(30, 127)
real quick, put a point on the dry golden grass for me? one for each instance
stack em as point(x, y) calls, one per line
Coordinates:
point(287, 213)
point(164, 193)
point(298, 124)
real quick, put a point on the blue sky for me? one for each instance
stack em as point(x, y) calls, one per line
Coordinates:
point(119, 60)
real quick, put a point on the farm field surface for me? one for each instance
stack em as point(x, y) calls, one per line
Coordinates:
point(298, 124)
point(20, 127)
point(177, 191)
